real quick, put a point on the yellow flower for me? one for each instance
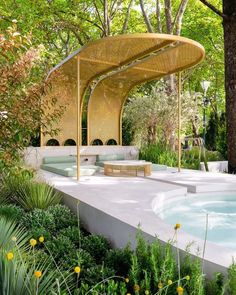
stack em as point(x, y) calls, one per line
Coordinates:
point(180, 290)
point(160, 285)
point(126, 280)
point(146, 292)
point(128, 294)
point(177, 226)
point(37, 274)
point(33, 242)
point(169, 282)
point(136, 288)
point(187, 278)
point(10, 256)
point(41, 239)
point(77, 269)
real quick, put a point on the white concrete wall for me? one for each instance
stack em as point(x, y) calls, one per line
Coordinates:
point(33, 155)
point(215, 166)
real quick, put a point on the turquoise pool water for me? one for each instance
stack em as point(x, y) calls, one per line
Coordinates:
point(191, 211)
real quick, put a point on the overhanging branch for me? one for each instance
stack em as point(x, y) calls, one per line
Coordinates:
point(214, 9)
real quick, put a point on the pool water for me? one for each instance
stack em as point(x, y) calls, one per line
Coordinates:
point(191, 211)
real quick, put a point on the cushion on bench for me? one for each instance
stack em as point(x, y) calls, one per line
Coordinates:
point(59, 159)
point(100, 159)
point(69, 169)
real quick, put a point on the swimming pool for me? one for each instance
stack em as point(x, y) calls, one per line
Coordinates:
point(191, 211)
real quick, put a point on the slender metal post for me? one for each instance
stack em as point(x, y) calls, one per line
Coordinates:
point(78, 118)
point(179, 121)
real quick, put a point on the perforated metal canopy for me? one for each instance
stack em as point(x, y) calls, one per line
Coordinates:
point(134, 58)
point(114, 65)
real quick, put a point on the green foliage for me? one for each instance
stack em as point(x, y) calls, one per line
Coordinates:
point(63, 217)
point(11, 182)
point(97, 246)
point(78, 257)
point(48, 222)
point(212, 132)
point(39, 222)
point(232, 278)
point(111, 286)
point(151, 113)
point(216, 285)
point(127, 133)
point(97, 273)
point(152, 264)
point(22, 89)
point(193, 268)
point(32, 195)
point(17, 274)
point(119, 260)
point(73, 233)
point(159, 154)
point(11, 212)
point(191, 159)
point(59, 246)
point(22, 190)
point(221, 144)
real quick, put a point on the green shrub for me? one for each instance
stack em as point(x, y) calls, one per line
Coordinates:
point(49, 222)
point(97, 273)
point(11, 212)
point(97, 246)
point(216, 285)
point(39, 219)
point(78, 257)
point(63, 217)
point(73, 233)
point(159, 154)
point(59, 247)
point(119, 260)
point(232, 278)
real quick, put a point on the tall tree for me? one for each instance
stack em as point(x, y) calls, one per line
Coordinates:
point(229, 25)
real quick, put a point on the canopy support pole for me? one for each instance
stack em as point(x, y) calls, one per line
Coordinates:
point(78, 118)
point(179, 121)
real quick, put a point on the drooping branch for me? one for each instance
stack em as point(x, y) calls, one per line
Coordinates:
point(179, 17)
point(125, 25)
point(168, 13)
point(214, 9)
point(146, 19)
point(158, 16)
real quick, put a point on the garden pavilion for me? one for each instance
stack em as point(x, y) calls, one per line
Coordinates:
point(110, 68)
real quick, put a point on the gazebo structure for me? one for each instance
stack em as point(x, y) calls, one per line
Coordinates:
point(111, 67)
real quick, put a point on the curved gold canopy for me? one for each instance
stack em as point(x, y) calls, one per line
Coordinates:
point(114, 65)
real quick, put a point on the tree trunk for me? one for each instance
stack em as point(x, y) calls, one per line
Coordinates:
point(179, 17)
point(146, 19)
point(229, 24)
point(125, 25)
point(168, 14)
point(158, 16)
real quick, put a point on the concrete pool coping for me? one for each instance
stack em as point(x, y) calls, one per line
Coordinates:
point(116, 206)
point(197, 181)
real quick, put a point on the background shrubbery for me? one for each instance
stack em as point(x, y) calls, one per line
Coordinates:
point(161, 154)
